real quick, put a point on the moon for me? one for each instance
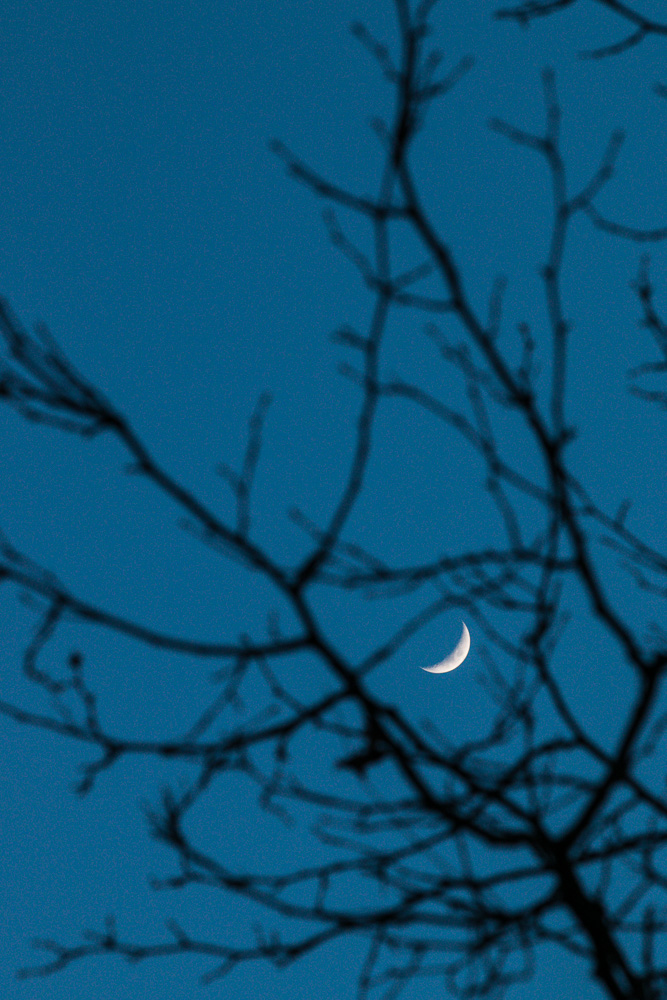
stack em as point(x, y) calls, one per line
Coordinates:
point(456, 657)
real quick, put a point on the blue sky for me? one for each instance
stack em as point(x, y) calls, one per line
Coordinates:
point(146, 221)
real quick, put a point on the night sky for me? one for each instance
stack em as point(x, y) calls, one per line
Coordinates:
point(147, 222)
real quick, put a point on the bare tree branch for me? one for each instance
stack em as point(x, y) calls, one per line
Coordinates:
point(467, 855)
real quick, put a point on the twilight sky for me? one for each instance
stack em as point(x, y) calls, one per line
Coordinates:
point(147, 223)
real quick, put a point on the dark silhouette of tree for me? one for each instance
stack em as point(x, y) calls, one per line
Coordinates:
point(534, 832)
point(639, 25)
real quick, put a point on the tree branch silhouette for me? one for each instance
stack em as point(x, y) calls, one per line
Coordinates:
point(533, 832)
point(641, 26)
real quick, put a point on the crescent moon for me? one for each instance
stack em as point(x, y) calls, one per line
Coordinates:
point(456, 657)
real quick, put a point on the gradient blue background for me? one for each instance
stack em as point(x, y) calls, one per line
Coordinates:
point(146, 222)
